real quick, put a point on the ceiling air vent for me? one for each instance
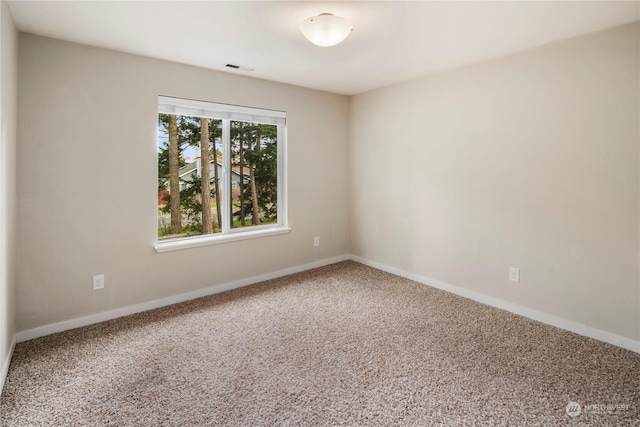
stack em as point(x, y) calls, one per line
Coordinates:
point(239, 67)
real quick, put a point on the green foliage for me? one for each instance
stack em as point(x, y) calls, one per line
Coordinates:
point(187, 230)
point(189, 199)
point(164, 231)
point(253, 146)
point(163, 152)
point(189, 204)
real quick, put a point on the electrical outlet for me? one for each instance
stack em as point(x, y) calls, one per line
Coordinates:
point(98, 282)
point(316, 241)
point(514, 274)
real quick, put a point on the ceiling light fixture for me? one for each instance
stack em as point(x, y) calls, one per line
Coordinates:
point(326, 29)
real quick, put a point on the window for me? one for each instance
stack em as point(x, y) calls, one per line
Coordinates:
point(220, 173)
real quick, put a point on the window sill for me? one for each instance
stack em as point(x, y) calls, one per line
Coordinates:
point(198, 241)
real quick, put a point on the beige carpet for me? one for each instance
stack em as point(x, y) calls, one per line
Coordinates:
point(340, 345)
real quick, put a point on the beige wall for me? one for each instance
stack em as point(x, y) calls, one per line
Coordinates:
point(87, 178)
point(529, 161)
point(8, 99)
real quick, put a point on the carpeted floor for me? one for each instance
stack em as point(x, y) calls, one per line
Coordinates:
point(340, 345)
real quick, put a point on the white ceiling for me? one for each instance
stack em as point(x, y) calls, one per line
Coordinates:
point(391, 41)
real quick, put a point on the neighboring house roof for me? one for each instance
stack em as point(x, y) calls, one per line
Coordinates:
point(192, 168)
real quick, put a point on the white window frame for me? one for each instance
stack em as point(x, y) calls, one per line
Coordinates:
point(227, 113)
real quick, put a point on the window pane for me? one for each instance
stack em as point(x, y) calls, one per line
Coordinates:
point(189, 149)
point(218, 169)
point(254, 164)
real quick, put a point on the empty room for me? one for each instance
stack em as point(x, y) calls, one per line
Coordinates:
point(319, 213)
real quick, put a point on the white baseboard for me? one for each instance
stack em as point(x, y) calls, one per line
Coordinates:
point(6, 363)
point(548, 319)
point(150, 305)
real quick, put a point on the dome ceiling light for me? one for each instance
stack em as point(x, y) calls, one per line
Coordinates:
point(326, 29)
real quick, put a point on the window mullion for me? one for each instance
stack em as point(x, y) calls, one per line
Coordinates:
point(226, 176)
